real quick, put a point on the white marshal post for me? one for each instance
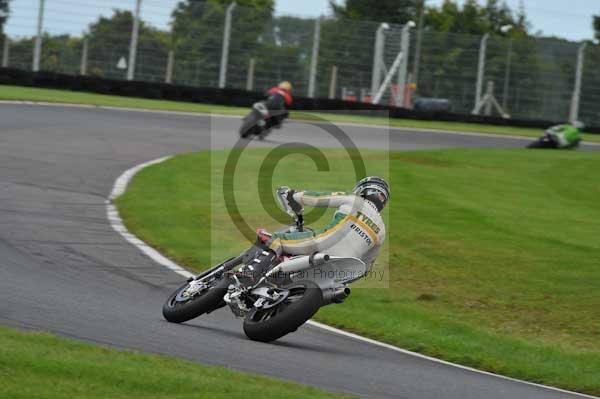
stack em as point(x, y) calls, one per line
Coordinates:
point(225, 49)
point(480, 69)
point(37, 50)
point(574, 114)
point(134, 40)
point(314, 61)
point(388, 78)
point(378, 64)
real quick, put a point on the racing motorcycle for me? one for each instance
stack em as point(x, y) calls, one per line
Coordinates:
point(274, 295)
point(558, 137)
point(543, 142)
point(261, 120)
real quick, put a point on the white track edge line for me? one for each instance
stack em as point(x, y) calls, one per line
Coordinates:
point(183, 113)
point(433, 359)
point(117, 224)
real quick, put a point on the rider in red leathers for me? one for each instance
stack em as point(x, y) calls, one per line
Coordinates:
point(278, 100)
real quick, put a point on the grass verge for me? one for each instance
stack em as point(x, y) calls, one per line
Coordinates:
point(493, 254)
point(18, 93)
point(39, 365)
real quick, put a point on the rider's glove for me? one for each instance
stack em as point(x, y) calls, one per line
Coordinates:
point(285, 195)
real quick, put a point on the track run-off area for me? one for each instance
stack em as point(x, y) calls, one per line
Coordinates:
point(63, 268)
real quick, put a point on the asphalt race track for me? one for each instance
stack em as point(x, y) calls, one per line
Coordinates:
point(63, 269)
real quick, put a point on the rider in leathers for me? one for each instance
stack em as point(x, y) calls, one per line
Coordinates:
point(357, 229)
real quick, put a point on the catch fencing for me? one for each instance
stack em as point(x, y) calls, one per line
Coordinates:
point(214, 45)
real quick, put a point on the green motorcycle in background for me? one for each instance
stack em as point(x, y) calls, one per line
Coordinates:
point(559, 137)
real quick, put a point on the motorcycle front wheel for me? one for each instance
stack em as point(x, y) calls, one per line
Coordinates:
point(180, 306)
point(546, 144)
point(268, 324)
point(249, 126)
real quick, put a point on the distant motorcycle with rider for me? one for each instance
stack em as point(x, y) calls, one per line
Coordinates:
point(561, 137)
point(268, 114)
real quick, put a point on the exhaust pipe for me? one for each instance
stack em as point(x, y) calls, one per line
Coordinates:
point(299, 263)
point(340, 294)
point(335, 294)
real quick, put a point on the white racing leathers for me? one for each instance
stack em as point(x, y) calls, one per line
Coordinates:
point(357, 229)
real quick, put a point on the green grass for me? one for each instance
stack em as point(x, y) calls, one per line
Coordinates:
point(492, 255)
point(18, 93)
point(43, 366)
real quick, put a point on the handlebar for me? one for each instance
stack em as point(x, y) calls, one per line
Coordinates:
point(300, 222)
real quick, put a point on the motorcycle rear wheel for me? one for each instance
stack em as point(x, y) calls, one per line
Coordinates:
point(250, 126)
point(266, 325)
point(177, 311)
point(546, 144)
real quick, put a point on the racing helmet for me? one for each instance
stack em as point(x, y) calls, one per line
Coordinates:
point(285, 85)
point(373, 189)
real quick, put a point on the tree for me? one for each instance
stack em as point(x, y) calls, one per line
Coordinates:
point(3, 15)
point(473, 18)
point(197, 34)
point(109, 41)
point(60, 53)
point(285, 52)
point(4, 12)
point(596, 25)
point(451, 49)
point(391, 11)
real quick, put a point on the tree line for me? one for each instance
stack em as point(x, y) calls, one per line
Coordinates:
point(281, 48)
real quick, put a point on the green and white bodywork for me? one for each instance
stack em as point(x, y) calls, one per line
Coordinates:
point(565, 136)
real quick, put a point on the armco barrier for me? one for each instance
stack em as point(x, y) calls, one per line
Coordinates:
point(241, 98)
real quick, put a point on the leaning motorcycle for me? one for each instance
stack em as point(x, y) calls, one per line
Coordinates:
point(274, 296)
point(546, 141)
point(260, 121)
point(558, 137)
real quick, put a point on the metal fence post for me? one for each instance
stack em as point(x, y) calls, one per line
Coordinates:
point(37, 50)
point(225, 49)
point(481, 67)
point(419, 44)
point(134, 40)
point(84, 58)
point(250, 77)
point(574, 114)
point(405, 49)
point(507, 75)
point(6, 52)
point(170, 62)
point(378, 58)
point(333, 82)
point(314, 61)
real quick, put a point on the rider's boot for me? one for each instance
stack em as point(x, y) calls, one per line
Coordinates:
point(259, 259)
